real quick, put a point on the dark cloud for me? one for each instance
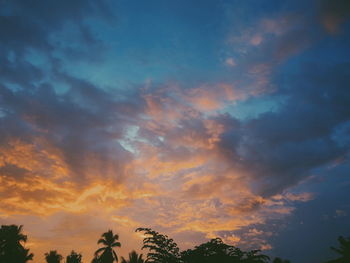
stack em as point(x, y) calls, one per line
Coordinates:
point(39, 29)
point(81, 122)
point(11, 170)
point(25, 24)
point(281, 148)
point(334, 13)
point(10, 70)
point(318, 214)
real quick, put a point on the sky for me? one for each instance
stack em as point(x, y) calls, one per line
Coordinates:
point(199, 119)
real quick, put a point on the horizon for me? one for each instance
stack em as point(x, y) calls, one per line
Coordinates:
point(198, 119)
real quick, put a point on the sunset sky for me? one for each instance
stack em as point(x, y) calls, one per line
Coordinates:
point(199, 119)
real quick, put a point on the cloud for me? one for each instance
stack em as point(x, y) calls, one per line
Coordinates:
point(293, 140)
point(214, 97)
point(333, 14)
point(33, 22)
point(66, 128)
point(230, 62)
point(12, 170)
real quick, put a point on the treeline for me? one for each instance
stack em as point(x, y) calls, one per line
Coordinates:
point(160, 249)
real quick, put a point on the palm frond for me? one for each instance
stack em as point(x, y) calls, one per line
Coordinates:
point(115, 255)
point(102, 241)
point(116, 244)
point(99, 250)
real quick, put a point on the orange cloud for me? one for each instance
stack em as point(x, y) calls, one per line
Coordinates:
point(175, 178)
point(213, 97)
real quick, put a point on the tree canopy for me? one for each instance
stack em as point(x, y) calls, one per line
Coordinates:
point(133, 258)
point(160, 249)
point(217, 251)
point(343, 250)
point(12, 242)
point(106, 254)
point(74, 257)
point(53, 257)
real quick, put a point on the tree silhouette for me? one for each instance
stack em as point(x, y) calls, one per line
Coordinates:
point(24, 256)
point(74, 257)
point(217, 251)
point(106, 254)
point(11, 248)
point(133, 258)
point(254, 257)
point(344, 251)
point(95, 260)
point(213, 251)
point(161, 247)
point(279, 260)
point(53, 257)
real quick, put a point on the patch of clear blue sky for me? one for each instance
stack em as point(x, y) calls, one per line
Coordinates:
point(181, 41)
point(158, 40)
point(162, 40)
point(255, 106)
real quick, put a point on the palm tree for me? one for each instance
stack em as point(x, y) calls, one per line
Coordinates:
point(106, 254)
point(53, 257)
point(74, 257)
point(25, 256)
point(344, 250)
point(133, 258)
point(11, 248)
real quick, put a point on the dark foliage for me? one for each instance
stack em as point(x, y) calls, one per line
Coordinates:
point(106, 254)
point(53, 257)
point(74, 257)
point(217, 251)
point(133, 258)
point(279, 260)
point(161, 247)
point(343, 251)
point(11, 245)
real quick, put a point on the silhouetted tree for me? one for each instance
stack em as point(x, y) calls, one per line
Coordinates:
point(53, 257)
point(344, 251)
point(133, 258)
point(254, 256)
point(213, 251)
point(95, 260)
point(279, 260)
point(217, 251)
point(106, 254)
point(24, 256)
point(11, 248)
point(161, 247)
point(74, 257)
